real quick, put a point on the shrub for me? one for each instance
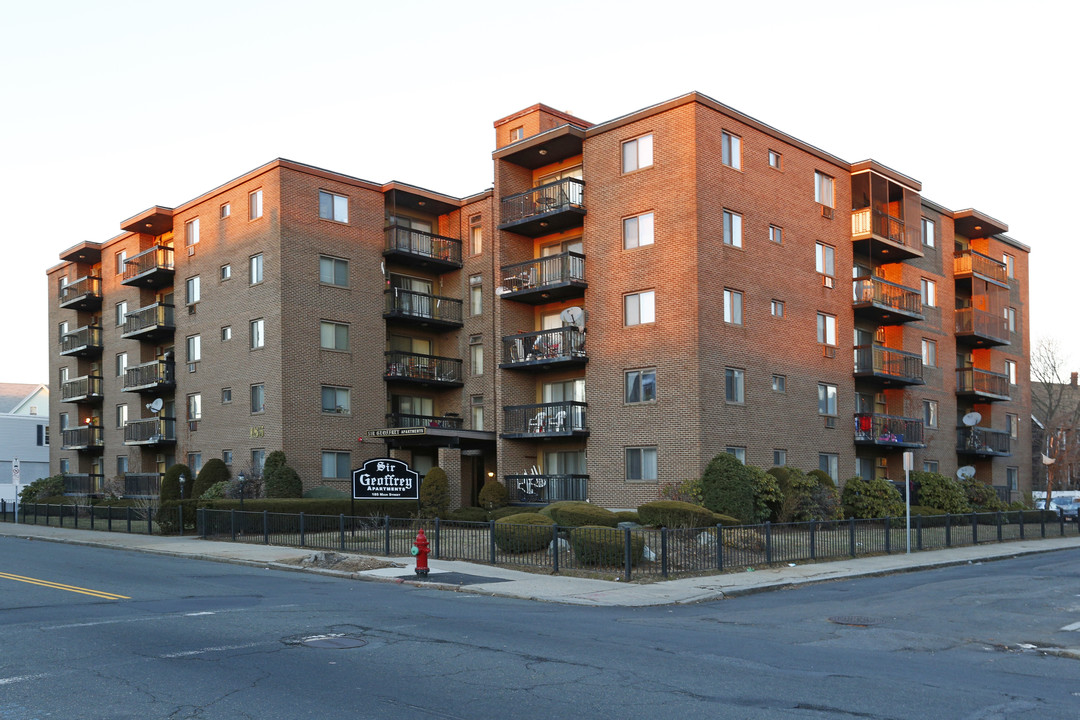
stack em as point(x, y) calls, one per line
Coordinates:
point(675, 514)
point(628, 516)
point(594, 545)
point(767, 495)
point(523, 532)
point(686, 491)
point(821, 476)
point(575, 513)
point(940, 491)
point(504, 512)
point(217, 491)
point(721, 519)
point(170, 482)
point(279, 479)
point(469, 514)
point(726, 487)
point(493, 494)
point(434, 494)
point(325, 492)
point(876, 498)
point(213, 472)
point(981, 497)
point(42, 488)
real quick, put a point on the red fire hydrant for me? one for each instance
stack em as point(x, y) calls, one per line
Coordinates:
point(420, 549)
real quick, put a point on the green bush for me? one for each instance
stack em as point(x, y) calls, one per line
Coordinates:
point(493, 494)
point(42, 488)
point(213, 472)
point(686, 491)
point(434, 494)
point(170, 482)
point(981, 497)
point(595, 545)
point(468, 514)
point(876, 498)
point(821, 476)
point(217, 491)
point(503, 512)
point(767, 495)
point(628, 516)
point(280, 480)
point(325, 492)
point(940, 491)
point(726, 520)
point(575, 513)
point(523, 532)
point(727, 488)
point(674, 514)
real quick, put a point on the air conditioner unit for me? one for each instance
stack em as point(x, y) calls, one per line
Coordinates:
point(193, 425)
point(828, 281)
point(191, 250)
point(829, 351)
point(826, 212)
point(830, 422)
point(191, 309)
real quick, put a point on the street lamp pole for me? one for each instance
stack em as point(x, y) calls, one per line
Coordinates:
point(183, 479)
point(242, 480)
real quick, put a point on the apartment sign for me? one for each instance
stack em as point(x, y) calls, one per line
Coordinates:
point(385, 479)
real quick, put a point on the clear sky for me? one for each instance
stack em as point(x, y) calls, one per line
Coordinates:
point(107, 108)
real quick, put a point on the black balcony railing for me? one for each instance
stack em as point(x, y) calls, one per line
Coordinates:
point(422, 307)
point(982, 383)
point(546, 208)
point(152, 431)
point(970, 262)
point(84, 437)
point(982, 325)
point(83, 483)
point(545, 489)
point(87, 387)
point(423, 368)
point(150, 321)
point(81, 341)
point(982, 441)
point(82, 293)
point(150, 376)
point(142, 485)
point(888, 364)
point(888, 430)
point(551, 419)
point(425, 247)
point(552, 277)
point(561, 345)
point(887, 301)
point(150, 267)
point(405, 420)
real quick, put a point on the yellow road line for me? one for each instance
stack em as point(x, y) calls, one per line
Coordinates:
point(60, 586)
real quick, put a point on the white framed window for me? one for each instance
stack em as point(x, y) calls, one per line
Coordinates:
point(1010, 318)
point(255, 269)
point(226, 333)
point(776, 160)
point(823, 189)
point(336, 465)
point(226, 272)
point(731, 150)
point(825, 259)
point(638, 230)
point(194, 462)
point(637, 153)
point(639, 308)
point(930, 466)
point(640, 386)
point(333, 207)
point(226, 210)
point(1010, 265)
point(930, 413)
point(1012, 478)
point(779, 383)
point(194, 348)
point(121, 465)
point(476, 354)
point(121, 364)
point(739, 453)
point(776, 307)
point(255, 207)
point(226, 457)
point(827, 395)
point(929, 353)
point(194, 407)
point(928, 289)
point(258, 459)
point(476, 295)
point(928, 232)
point(517, 133)
point(194, 290)
point(191, 232)
point(829, 463)
point(333, 271)
point(1012, 425)
point(476, 235)
point(226, 396)
point(641, 463)
point(336, 400)
point(476, 410)
point(258, 336)
point(734, 385)
point(1010, 370)
point(776, 234)
point(121, 311)
point(333, 335)
point(65, 419)
point(121, 262)
point(258, 398)
point(733, 306)
point(121, 415)
point(732, 228)
point(826, 329)
point(779, 458)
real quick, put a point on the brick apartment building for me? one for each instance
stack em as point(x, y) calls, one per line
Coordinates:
point(704, 256)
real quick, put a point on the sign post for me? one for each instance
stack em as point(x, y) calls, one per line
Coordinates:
point(909, 463)
point(15, 477)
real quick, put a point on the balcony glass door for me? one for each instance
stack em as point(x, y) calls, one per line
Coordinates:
point(416, 298)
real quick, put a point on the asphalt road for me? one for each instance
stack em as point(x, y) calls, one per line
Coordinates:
point(194, 639)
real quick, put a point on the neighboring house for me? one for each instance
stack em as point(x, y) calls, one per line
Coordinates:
point(24, 434)
point(1063, 401)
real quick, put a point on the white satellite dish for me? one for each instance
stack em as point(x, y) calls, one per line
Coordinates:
point(965, 473)
point(1047, 460)
point(155, 406)
point(972, 418)
point(501, 290)
point(574, 316)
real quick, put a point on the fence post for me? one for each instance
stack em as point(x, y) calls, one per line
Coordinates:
point(435, 555)
point(150, 520)
point(179, 507)
point(1042, 523)
point(108, 524)
point(301, 529)
point(341, 530)
point(76, 515)
point(1021, 514)
point(48, 514)
point(491, 539)
point(1061, 519)
point(626, 554)
point(386, 534)
point(888, 535)
point(232, 523)
point(813, 539)
point(128, 518)
point(974, 528)
point(999, 525)
point(555, 549)
point(719, 547)
point(663, 552)
point(948, 530)
point(918, 532)
point(266, 527)
point(851, 535)
point(768, 543)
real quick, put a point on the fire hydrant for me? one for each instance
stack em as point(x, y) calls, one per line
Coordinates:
point(420, 549)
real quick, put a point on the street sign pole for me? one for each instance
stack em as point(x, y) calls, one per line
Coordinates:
point(15, 477)
point(909, 462)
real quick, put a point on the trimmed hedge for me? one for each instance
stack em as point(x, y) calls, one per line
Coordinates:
point(364, 508)
point(727, 487)
point(599, 545)
point(940, 491)
point(628, 516)
point(213, 472)
point(675, 514)
point(523, 532)
point(434, 493)
point(324, 492)
point(575, 513)
point(493, 494)
point(468, 514)
point(503, 512)
point(874, 498)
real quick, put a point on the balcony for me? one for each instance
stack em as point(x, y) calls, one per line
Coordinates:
point(82, 342)
point(558, 419)
point(429, 370)
point(884, 237)
point(982, 385)
point(544, 280)
point(422, 309)
point(152, 377)
point(152, 431)
point(405, 420)
point(888, 431)
point(982, 442)
point(545, 489)
point(83, 294)
point(146, 485)
point(84, 437)
point(545, 209)
point(151, 268)
point(979, 327)
point(82, 389)
point(970, 264)
point(422, 249)
point(83, 483)
point(884, 302)
point(150, 323)
point(562, 347)
point(888, 366)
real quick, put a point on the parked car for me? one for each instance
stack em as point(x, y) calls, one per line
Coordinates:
point(1066, 507)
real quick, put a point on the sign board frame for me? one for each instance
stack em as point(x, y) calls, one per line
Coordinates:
point(385, 479)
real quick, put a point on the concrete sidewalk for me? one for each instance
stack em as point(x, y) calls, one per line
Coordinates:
point(505, 582)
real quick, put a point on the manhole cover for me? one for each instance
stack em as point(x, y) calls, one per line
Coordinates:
point(856, 620)
point(333, 642)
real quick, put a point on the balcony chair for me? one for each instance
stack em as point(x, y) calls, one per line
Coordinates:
point(538, 422)
point(558, 423)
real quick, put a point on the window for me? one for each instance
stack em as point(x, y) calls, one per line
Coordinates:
point(929, 353)
point(226, 333)
point(257, 335)
point(826, 329)
point(779, 383)
point(1012, 425)
point(1010, 265)
point(1010, 370)
point(776, 234)
point(64, 373)
point(255, 274)
point(517, 133)
point(930, 413)
point(775, 160)
point(1012, 478)
point(333, 271)
point(638, 230)
point(121, 415)
point(641, 386)
point(826, 399)
point(823, 191)
point(929, 293)
point(637, 153)
point(1010, 318)
point(333, 207)
point(255, 205)
point(258, 460)
point(731, 150)
point(194, 407)
point(734, 385)
point(829, 463)
point(930, 466)
point(193, 290)
point(194, 461)
point(333, 336)
point(476, 408)
point(336, 465)
point(121, 311)
point(732, 228)
point(121, 364)
point(121, 261)
point(640, 308)
point(226, 457)
point(194, 348)
point(121, 465)
point(776, 307)
point(476, 295)
point(825, 259)
point(226, 272)
point(191, 232)
point(226, 211)
point(336, 400)
point(733, 307)
point(64, 419)
point(779, 458)
point(476, 235)
point(738, 452)
point(928, 238)
point(65, 466)
point(641, 463)
point(226, 396)
point(258, 398)
point(476, 355)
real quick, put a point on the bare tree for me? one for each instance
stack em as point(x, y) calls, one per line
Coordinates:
point(1055, 403)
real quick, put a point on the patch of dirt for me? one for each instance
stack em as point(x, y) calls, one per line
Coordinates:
point(342, 563)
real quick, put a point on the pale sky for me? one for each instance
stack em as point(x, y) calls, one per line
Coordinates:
point(107, 108)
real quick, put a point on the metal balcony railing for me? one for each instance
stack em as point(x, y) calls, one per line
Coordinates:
point(565, 194)
point(81, 438)
point(83, 483)
point(423, 307)
point(81, 340)
point(81, 388)
point(557, 418)
point(888, 430)
point(545, 489)
point(150, 431)
point(87, 286)
point(545, 346)
point(142, 484)
point(405, 420)
point(149, 376)
point(982, 324)
point(158, 316)
point(156, 259)
point(871, 222)
point(870, 290)
point(539, 273)
point(970, 262)
point(888, 363)
point(982, 382)
point(982, 441)
point(414, 366)
point(423, 245)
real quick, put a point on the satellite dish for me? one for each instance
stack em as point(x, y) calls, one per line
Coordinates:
point(574, 316)
point(501, 290)
point(155, 406)
point(1047, 460)
point(965, 473)
point(972, 418)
